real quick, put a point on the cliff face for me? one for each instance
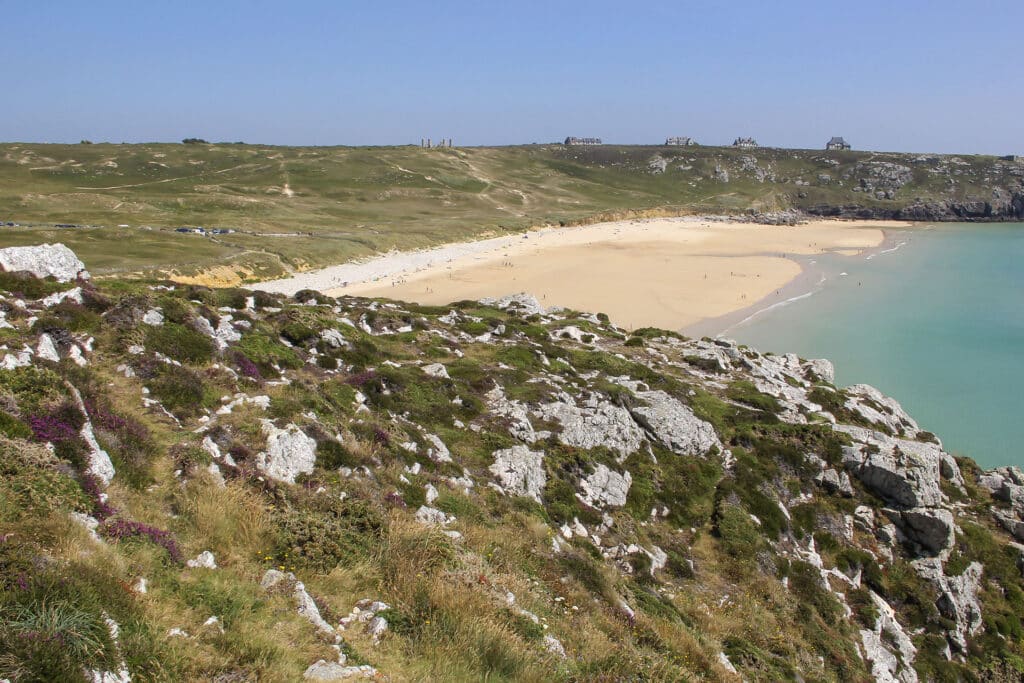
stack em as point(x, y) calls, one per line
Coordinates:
point(1002, 207)
point(220, 485)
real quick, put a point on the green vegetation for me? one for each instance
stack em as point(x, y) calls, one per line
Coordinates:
point(708, 555)
point(299, 207)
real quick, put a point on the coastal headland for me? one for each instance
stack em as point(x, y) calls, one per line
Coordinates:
point(667, 272)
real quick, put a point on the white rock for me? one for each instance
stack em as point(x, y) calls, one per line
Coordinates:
point(520, 472)
point(323, 670)
point(436, 370)
point(554, 646)
point(56, 298)
point(428, 515)
point(44, 260)
point(289, 453)
point(333, 338)
point(673, 423)
point(595, 423)
point(430, 494)
point(605, 488)
point(154, 317)
point(438, 452)
point(46, 349)
point(203, 560)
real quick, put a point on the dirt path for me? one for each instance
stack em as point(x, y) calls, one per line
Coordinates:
point(165, 180)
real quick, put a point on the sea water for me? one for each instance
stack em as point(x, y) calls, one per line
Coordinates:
point(934, 319)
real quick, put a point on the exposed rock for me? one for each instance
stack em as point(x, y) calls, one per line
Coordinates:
point(835, 482)
point(44, 260)
point(437, 451)
point(323, 670)
point(821, 369)
point(900, 471)
point(436, 370)
point(958, 598)
point(932, 528)
point(305, 605)
point(516, 413)
point(519, 471)
point(153, 317)
point(333, 338)
point(204, 560)
point(47, 350)
point(876, 407)
point(595, 423)
point(289, 453)
point(605, 488)
point(525, 304)
point(377, 627)
point(554, 646)
point(428, 515)
point(673, 423)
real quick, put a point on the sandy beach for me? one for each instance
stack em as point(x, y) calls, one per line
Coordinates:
point(669, 272)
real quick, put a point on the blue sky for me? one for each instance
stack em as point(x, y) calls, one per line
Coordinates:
point(907, 75)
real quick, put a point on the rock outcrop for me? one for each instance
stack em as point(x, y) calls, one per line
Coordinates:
point(520, 472)
point(288, 454)
point(44, 260)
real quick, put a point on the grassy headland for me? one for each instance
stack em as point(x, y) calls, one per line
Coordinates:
point(294, 208)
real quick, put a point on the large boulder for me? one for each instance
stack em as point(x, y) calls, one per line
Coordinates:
point(519, 471)
point(931, 528)
point(905, 473)
point(44, 260)
point(289, 453)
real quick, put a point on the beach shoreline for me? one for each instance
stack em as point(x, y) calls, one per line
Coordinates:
point(675, 273)
point(812, 278)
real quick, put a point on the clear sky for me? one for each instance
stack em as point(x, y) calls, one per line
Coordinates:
point(906, 75)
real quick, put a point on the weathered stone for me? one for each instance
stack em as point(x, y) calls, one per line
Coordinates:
point(673, 423)
point(204, 560)
point(289, 453)
point(932, 528)
point(436, 370)
point(519, 471)
point(595, 423)
point(877, 408)
point(44, 260)
point(525, 304)
point(900, 471)
point(605, 488)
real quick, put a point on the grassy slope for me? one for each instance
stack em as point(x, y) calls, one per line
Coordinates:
point(720, 591)
point(350, 202)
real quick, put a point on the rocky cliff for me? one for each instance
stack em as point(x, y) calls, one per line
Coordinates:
point(224, 485)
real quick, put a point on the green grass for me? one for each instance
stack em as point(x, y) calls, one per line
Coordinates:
point(353, 201)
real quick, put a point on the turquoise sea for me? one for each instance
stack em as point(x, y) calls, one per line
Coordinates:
point(934, 319)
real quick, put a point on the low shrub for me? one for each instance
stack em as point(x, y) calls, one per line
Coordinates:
point(180, 342)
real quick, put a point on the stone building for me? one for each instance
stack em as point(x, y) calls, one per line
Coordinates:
point(745, 142)
point(583, 141)
point(679, 142)
point(837, 144)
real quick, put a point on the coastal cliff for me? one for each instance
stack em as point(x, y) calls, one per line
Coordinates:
point(226, 485)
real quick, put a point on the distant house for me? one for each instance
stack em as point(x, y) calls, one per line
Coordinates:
point(745, 142)
point(582, 141)
point(679, 142)
point(837, 145)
